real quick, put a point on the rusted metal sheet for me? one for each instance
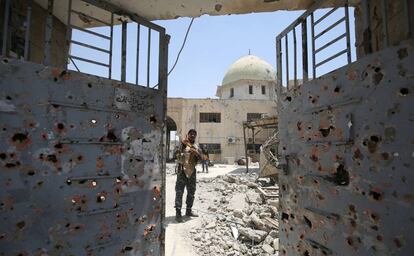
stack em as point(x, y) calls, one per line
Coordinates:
point(80, 164)
point(348, 143)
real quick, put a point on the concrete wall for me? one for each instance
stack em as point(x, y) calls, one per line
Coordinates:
point(397, 25)
point(185, 112)
point(241, 90)
point(37, 33)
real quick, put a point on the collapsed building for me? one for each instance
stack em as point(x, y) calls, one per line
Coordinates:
point(82, 157)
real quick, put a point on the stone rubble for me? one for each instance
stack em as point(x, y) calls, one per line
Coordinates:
point(225, 216)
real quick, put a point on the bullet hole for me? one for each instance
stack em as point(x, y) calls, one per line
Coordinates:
point(80, 158)
point(350, 241)
point(89, 85)
point(153, 119)
point(19, 137)
point(288, 98)
point(385, 155)
point(337, 89)
point(8, 98)
point(93, 121)
point(21, 224)
point(299, 125)
point(308, 222)
point(375, 227)
point(3, 156)
point(10, 165)
point(117, 116)
point(314, 158)
point(60, 126)
point(70, 97)
point(100, 198)
point(58, 146)
point(55, 79)
point(372, 143)
point(378, 77)
point(39, 183)
point(218, 7)
point(52, 158)
point(128, 248)
point(402, 53)
point(111, 136)
point(397, 242)
point(69, 182)
point(380, 238)
point(31, 173)
point(325, 131)
point(352, 208)
point(404, 92)
point(306, 253)
point(5, 60)
point(374, 216)
point(353, 223)
point(285, 216)
point(375, 195)
point(358, 155)
point(341, 176)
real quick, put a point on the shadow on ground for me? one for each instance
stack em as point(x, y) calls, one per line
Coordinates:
point(242, 170)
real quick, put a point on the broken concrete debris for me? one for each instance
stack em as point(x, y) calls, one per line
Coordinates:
point(236, 220)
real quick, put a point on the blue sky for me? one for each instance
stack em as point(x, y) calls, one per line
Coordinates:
point(214, 43)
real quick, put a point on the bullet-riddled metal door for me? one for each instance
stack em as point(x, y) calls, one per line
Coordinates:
point(81, 161)
point(347, 141)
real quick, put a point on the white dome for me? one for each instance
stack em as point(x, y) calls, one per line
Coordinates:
point(249, 67)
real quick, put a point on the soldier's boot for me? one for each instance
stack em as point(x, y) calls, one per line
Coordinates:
point(178, 216)
point(189, 213)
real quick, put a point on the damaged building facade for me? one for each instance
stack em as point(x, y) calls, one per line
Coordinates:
point(247, 92)
point(84, 173)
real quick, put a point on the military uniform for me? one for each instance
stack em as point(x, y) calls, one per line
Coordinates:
point(186, 176)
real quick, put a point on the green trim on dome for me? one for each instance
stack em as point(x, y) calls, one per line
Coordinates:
point(249, 67)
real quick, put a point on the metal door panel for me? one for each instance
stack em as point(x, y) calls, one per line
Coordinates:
point(348, 142)
point(81, 164)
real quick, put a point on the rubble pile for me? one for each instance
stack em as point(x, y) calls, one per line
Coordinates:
point(235, 219)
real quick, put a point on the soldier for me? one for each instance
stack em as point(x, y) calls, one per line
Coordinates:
point(186, 177)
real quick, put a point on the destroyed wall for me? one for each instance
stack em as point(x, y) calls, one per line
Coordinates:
point(397, 27)
point(185, 113)
point(17, 23)
point(346, 141)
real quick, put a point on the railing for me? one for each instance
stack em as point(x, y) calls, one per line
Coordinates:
point(134, 51)
point(321, 37)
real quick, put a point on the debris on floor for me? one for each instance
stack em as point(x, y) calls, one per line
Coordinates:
point(236, 218)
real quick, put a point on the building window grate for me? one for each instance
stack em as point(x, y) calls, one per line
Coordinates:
point(210, 117)
point(253, 116)
point(250, 89)
point(263, 89)
point(231, 92)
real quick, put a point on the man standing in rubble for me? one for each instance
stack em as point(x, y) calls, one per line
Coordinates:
point(186, 176)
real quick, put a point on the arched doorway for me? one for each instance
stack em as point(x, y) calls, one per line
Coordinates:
point(171, 138)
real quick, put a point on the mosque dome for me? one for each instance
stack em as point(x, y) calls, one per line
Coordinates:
point(249, 67)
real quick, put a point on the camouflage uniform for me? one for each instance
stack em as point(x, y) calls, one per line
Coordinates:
point(186, 165)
